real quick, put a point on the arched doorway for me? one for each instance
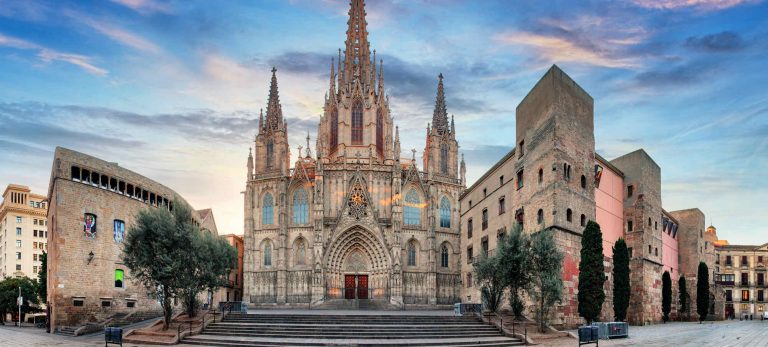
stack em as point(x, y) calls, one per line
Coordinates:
point(358, 266)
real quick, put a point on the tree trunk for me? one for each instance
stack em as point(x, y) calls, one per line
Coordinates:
point(167, 310)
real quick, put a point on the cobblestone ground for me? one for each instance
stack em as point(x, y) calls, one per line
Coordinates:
point(714, 334)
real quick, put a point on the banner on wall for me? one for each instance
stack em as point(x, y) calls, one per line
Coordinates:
point(119, 231)
point(598, 175)
point(89, 225)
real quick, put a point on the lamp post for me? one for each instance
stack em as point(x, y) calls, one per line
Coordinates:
point(20, 300)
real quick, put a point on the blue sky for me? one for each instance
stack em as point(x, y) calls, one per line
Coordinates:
point(172, 89)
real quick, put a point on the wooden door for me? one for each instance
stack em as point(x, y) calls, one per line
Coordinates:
point(362, 286)
point(349, 286)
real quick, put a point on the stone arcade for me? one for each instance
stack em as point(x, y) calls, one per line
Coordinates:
point(355, 221)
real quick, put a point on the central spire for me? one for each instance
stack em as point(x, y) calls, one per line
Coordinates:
point(274, 110)
point(440, 115)
point(357, 62)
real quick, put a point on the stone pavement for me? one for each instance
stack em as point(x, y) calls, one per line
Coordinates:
point(710, 334)
point(714, 334)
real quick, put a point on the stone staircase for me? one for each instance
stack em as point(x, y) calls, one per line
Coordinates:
point(372, 329)
point(65, 331)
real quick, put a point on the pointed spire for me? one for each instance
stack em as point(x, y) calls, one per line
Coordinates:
point(333, 80)
point(463, 169)
point(261, 119)
point(250, 163)
point(373, 71)
point(309, 152)
point(274, 110)
point(453, 126)
point(440, 115)
point(397, 143)
point(381, 76)
point(357, 53)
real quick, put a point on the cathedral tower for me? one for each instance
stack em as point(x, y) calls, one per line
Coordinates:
point(272, 153)
point(441, 150)
point(356, 118)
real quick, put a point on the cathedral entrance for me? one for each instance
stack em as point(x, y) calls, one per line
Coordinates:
point(355, 286)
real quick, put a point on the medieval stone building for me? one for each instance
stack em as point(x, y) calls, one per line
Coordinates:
point(354, 220)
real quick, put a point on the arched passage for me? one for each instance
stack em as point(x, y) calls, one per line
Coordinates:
point(359, 256)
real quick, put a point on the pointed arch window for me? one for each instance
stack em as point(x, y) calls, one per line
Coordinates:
point(411, 254)
point(412, 208)
point(301, 253)
point(270, 153)
point(380, 132)
point(444, 158)
point(444, 256)
point(266, 210)
point(445, 213)
point(268, 254)
point(334, 129)
point(357, 123)
point(300, 207)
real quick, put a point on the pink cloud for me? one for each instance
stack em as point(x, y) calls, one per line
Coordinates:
point(145, 6)
point(119, 35)
point(48, 55)
point(706, 5)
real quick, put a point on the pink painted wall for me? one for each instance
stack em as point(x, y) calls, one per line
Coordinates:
point(609, 209)
point(669, 255)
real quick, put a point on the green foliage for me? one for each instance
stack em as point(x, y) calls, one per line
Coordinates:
point(620, 280)
point(683, 296)
point(702, 292)
point(489, 276)
point(591, 273)
point(42, 278)
point(9, 291)
point(515, 263)
point(546, 275)
point(666, 295)
point(168, 253)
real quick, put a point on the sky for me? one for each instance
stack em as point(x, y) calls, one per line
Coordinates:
point(172, 90)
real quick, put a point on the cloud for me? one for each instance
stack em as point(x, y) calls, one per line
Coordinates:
point(145, 7)
point(119, 35)
point(726, 41)
point(705, 5)
point(48, 55)
point(681, 75)
point(304, 62)
point(585, 39)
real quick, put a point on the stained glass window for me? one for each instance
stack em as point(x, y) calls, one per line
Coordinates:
point(445, 213)
point(270, 153)
point(411, 254)
point(357, 123)
point(412, 208)
point(266, 210)
point(444, 158)
point(268, 254)
point(380, 131)
point(300, 207)
point(334, 129)
point(444, 256)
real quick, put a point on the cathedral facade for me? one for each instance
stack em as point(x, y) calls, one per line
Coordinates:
point(353, 221)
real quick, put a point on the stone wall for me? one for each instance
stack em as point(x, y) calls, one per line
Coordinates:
point(81, 267)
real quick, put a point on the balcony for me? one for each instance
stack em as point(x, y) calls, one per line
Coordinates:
point(724, 283)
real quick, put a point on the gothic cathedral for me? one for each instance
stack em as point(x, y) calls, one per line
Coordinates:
point(355, 223)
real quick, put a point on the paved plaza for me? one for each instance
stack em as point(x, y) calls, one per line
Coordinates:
point(715, 334)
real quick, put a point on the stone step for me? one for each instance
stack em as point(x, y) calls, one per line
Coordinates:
point(209, 340)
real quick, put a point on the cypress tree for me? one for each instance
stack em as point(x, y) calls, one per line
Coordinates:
point(620, 280)
point(666, 295)
point(702, 292)
point(682, 290)
point(591, 273)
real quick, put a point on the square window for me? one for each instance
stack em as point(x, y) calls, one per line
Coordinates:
point(18, 267)
point(18, 219)
point(106, 303)
point(18, 231)
point(18, 243)
point(630, 190)
point(18, 255)
point(130, 304)
point(519, 179)
point(78, 302)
